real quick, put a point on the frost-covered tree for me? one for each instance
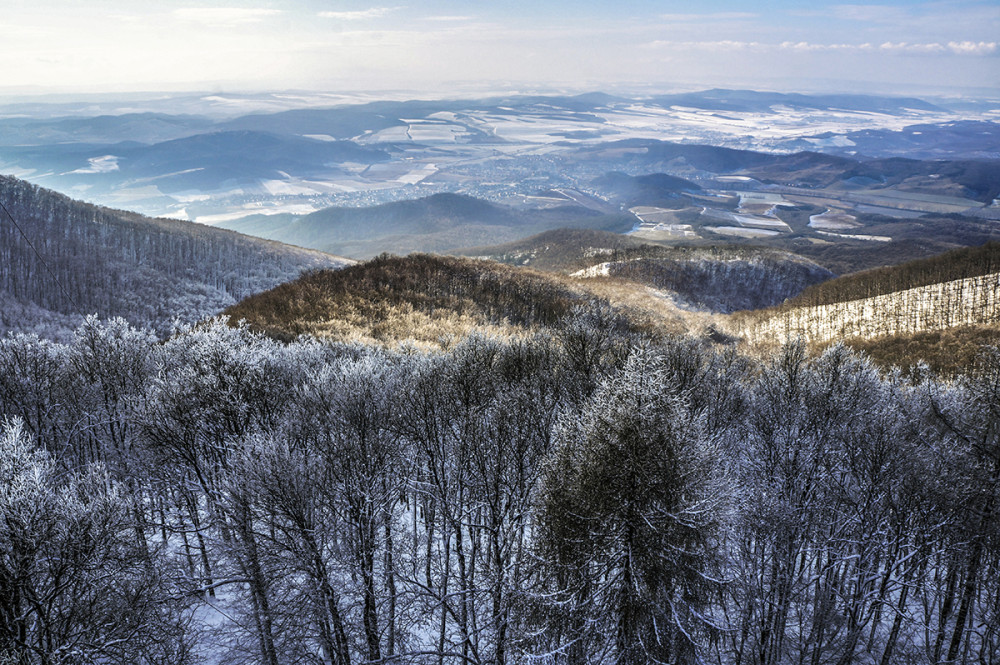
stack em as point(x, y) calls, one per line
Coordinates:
point(76, 586)
point(630, 513)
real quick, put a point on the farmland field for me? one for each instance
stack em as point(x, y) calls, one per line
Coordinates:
point(833, 220)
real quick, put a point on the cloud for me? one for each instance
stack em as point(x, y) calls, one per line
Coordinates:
point(970, 48)
point(903, 47)
point(957, 48)
point(810, 46)
point(360, 14)
point(973, 48)
point(225, 15)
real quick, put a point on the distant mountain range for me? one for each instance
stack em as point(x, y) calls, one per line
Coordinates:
point(75, 259)
point(978, 180)
point(757, 101)
point(202, 162)
point(846, 214)
point(164, 157)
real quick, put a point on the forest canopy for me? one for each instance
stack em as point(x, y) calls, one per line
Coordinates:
point(572, 496)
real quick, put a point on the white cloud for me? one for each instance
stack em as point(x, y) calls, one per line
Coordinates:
point(359, 15)
point(904, 47)
point(928, 48)
point(225, 15)
point(973, 48)
point(810, 46)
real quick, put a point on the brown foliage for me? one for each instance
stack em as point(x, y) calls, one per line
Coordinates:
point(947, 352)
point(420, 297)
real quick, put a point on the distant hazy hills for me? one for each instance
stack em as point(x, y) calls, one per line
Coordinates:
point(757, 101)
point(432, 224)
point(724, 192)
point(211, 157)
point(978, 180)
point(203, 161)
point(968, 138)
point(76, 259)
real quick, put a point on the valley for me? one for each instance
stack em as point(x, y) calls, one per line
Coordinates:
point(363, 153)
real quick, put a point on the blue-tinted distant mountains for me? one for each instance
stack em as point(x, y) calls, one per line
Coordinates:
point(183, 157)
point(102, 129)
point(968, 138)
point(979, 180)
point(204, 161)
point(432, 224)
point(756, 102)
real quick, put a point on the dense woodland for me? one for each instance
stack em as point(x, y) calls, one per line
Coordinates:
point(973, 301)
point(422, 298)
point(725, 280)
point(579, 496)
point(73, 258)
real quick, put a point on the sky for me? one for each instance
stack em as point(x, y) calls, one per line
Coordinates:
point(445, 45)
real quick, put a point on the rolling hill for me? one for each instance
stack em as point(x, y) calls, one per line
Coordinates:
point(978, 180)
point(559, 250)
point(435, 223)
point(425, 299)
point(657, 189)
point(75, 259)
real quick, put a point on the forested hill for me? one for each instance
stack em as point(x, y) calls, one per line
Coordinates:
point(711, 278)
point(425, 299)
point(949, 266)
point(75, 259)
point(959, 288)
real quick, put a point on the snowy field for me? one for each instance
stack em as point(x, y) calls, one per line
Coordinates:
point(833, 220)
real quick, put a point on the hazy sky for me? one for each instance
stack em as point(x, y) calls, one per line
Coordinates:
point(137, 45)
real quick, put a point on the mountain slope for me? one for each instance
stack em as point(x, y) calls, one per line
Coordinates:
point(719, 279)
point(959, 288)
point(76, 259)
point(954, 265)
point(714, 278)
point(559, 250)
